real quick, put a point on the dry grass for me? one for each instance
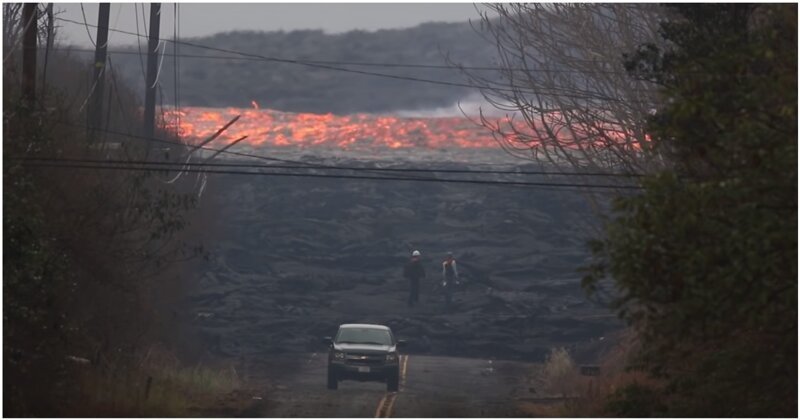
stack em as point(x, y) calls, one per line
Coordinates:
point(560, 373)
point(159, 386)
point(574, 395)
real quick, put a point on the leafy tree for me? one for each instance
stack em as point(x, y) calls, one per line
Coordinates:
point(705, 259)
point(85, 251)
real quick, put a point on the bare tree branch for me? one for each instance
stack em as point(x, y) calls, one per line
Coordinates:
point(562, 79)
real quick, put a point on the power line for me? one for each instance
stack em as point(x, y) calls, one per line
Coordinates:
point(176, 62)
point(162, 166)
point(562, 92)
point(139, 36)
point(514, 89)
point(374, 64)
point(354, 168)
point(116, 20)
point(86, 25)
point(120, 104)
point(217, 151)
point(392, 65)
point(346, 168)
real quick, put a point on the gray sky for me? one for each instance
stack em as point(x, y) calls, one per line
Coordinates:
point(200, 19)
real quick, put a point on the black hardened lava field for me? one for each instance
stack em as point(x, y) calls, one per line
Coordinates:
point(295, 257)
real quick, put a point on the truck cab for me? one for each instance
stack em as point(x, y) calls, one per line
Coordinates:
point(364, 352)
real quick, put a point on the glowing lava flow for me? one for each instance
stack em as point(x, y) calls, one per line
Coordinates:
point(267, 127)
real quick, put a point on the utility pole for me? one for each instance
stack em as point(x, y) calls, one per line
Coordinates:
point(49, 46)
point(96, 109)
point(152, 69)
point(29, 19)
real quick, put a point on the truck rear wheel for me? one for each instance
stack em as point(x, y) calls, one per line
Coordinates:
point(393, 382)
point(333, 381)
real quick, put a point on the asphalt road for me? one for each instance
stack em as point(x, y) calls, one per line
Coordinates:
point(294, 386)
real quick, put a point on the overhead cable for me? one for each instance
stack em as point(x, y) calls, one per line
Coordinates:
point(166, 166)
point(302, 164)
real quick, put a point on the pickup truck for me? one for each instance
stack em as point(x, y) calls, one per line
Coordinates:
point(363, 352)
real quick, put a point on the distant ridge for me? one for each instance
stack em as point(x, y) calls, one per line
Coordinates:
point(295, 88)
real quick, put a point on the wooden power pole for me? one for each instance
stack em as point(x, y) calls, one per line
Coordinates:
point(152, 69)
point(30, 20)
point(49, 45)
point(96, 110)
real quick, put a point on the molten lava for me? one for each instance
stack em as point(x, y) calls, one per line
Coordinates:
point(267, 127)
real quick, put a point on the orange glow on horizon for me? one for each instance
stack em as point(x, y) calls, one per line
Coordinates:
point(275, 128)
point(265, 127)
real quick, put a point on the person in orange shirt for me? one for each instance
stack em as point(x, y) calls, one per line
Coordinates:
point(449, 278)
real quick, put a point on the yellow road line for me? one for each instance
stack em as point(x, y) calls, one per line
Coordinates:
point(380, 406)
point(405, 368)
point(391, 406)
point(386, 404)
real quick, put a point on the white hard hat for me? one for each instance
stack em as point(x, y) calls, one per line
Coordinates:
point(415, 253)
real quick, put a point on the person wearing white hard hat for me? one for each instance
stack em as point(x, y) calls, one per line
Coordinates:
point(414, 271)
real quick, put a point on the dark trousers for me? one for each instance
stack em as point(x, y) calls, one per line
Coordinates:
point(413, 291)
point(449, 288)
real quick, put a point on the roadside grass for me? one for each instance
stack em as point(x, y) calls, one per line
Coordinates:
point(560, 373)
point(151, 388)
point(567, 393)
point(555, 383)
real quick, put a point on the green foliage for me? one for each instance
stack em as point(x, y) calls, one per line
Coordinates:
point(705, 260)
point(635, 400)
point(84, 250)
point(33, 272)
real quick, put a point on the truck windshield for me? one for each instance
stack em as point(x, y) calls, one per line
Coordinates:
point(364, 336)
